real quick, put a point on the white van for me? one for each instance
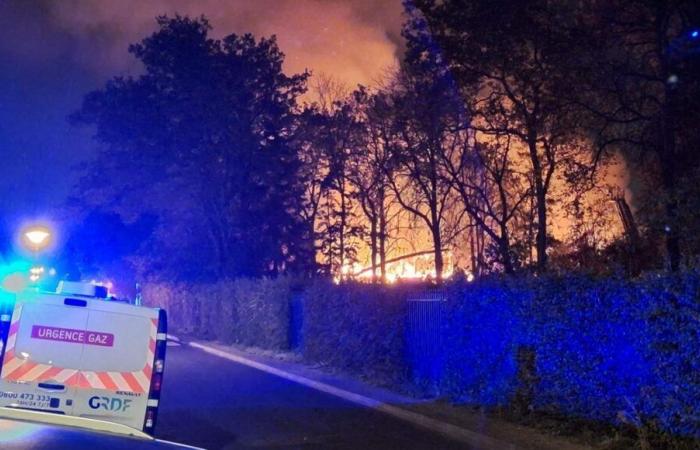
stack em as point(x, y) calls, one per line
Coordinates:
point(74, 353)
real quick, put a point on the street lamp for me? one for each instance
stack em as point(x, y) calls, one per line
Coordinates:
point(37, 237)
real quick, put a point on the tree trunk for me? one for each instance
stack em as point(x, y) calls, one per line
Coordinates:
point(531, 232)
point(341, 236)
point(541, 230)
point(472, 247)
point(669, 174)
point(437, 242)
point(504, 249)
point(480, 236)
point(219, 244)
point(437, 239)
point(541, 200)
point(373, 245)
point(382, 242)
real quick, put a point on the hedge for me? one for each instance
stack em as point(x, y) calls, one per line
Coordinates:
point(358, 329)
point(243, 311)
point(608, 349)
point(611, 349)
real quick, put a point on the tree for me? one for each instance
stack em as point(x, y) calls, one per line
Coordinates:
point(511, 62)
point(100, 242)
point(642, 96)
point(332, 124)
point(425, 114)
point(371, 170)
point(492, 190)
point(204, 139)
point(313, 172)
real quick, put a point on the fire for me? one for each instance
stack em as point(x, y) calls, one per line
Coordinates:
point(415, 268)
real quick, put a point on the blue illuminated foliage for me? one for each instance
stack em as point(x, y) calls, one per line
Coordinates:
point(480, 349)
point(605, 349)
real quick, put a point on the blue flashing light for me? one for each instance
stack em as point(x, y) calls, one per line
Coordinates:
point(694, 34)
point(14, 282)
point(13, 278)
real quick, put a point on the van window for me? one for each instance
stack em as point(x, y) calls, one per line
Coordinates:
point(124, 342)
point(46, 334)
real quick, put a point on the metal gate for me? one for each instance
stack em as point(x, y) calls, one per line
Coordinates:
point(424, 338)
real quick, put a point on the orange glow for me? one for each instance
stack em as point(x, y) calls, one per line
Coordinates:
point(600, 220)
point(353, 41)
point(417, 268)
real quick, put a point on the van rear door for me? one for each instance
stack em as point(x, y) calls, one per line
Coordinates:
point(117, 363)
point(43, 354)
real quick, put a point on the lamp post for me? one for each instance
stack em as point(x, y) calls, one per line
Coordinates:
point(36, 238)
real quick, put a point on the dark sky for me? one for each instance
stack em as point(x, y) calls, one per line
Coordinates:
point(53, 52)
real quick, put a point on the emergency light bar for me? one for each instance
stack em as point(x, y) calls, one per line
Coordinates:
point(81, 289)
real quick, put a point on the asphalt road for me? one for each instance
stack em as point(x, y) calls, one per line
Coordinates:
point(218, 404)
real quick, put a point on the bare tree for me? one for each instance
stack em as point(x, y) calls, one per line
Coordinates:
point(511, 64)
point(492, 191)
point(370, 171)
point(425, 116)
point(313, 170)
point(336, 127)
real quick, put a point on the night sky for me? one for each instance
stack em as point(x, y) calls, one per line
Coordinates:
point(52, 53)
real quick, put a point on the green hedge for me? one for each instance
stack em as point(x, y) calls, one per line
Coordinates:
point(357, 328)
point(242, 311)
point(608, 349)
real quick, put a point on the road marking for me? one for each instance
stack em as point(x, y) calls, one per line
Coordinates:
point(455, 432)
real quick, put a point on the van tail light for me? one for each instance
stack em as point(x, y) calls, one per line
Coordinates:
point(149, 422)
point(156, 384)
point(5, 319)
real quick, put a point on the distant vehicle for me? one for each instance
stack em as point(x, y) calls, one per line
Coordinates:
point(23, 429)
point(76, 353)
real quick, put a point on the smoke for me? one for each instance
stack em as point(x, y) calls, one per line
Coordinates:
point(352, 41)
point(52, 52)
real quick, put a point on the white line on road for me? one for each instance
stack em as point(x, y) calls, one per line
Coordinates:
point(482, 442)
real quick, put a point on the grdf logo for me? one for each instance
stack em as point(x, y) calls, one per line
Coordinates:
point(110, 404)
